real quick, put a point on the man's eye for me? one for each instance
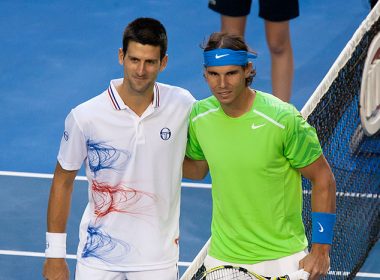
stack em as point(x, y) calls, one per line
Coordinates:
point(151, 62)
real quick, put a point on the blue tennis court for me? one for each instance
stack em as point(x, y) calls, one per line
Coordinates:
point(57, 54)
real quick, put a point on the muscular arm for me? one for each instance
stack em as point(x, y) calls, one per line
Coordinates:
point(323, 182)
point(57, 215)
point(194, 169)
point(60, 199)
point(322, 200)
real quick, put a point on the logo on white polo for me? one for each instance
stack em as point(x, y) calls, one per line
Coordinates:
point(66, 135)
point(320, 227)
point(257, 126)
point(220, 56)
point(165, 133)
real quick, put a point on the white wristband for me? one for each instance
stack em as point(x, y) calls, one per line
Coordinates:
point(55, 245)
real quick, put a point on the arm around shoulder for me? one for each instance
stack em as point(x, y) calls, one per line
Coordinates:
point(194, 169)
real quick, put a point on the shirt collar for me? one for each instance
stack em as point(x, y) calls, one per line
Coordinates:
point(156, 96)
point(117, 102)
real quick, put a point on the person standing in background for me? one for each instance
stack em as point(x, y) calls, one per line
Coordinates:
point(276, 15)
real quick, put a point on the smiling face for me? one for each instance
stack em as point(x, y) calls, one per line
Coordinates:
point(142, 65)
point(228, 83)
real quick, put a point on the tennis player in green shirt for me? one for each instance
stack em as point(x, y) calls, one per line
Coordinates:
point(256, 148)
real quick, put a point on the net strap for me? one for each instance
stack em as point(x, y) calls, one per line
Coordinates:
point(197, 263)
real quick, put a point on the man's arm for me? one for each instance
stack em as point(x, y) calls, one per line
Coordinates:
point(194, 169)
point(323, 200)
point(57, 215)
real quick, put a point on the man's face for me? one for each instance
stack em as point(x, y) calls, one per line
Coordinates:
point(141, 66)
point(227, 83)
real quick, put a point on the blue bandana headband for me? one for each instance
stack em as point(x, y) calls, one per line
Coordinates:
point(222, 57)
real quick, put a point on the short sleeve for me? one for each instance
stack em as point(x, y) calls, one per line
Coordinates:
point(193, 149)
point(301, 144)
point(73, 148)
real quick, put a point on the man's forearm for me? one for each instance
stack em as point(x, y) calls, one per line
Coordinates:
point(194, 169)
point(60, 199)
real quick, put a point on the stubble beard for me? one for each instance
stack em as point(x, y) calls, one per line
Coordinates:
point(140, 87)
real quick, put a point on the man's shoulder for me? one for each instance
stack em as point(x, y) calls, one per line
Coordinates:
point(93, 102)
point(96, 104)
point(209, 102)
point(173, 91)
point(202, 108)
point(274, 107)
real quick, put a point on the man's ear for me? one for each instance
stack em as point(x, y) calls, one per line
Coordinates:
point(121, 56)
point(248, 69)
point(164, 62)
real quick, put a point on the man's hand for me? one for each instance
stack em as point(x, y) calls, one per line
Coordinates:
point(56, 269)
point(317, 263)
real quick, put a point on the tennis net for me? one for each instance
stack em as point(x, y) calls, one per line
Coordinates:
point(345, 111)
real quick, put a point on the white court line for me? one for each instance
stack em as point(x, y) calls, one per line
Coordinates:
point(30, 254)
point(185, 264)
point(368, 275)
point(184, 184)
point(26, 174)
point(83, 178)
point(42, 255)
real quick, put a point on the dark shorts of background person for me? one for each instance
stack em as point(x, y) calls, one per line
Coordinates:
point(272, 10)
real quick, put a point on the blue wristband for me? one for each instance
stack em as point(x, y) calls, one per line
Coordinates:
point(322, 227)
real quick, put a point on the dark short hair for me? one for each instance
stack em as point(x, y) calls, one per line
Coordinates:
point(220, 40)
point(146, 31)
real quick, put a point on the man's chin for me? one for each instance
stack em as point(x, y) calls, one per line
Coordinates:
point(224, 99)
point(142, 88)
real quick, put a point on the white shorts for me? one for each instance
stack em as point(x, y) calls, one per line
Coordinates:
point(84, 273)
point(271, 268)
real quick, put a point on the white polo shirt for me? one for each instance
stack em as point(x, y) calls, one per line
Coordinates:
point(134, 168)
